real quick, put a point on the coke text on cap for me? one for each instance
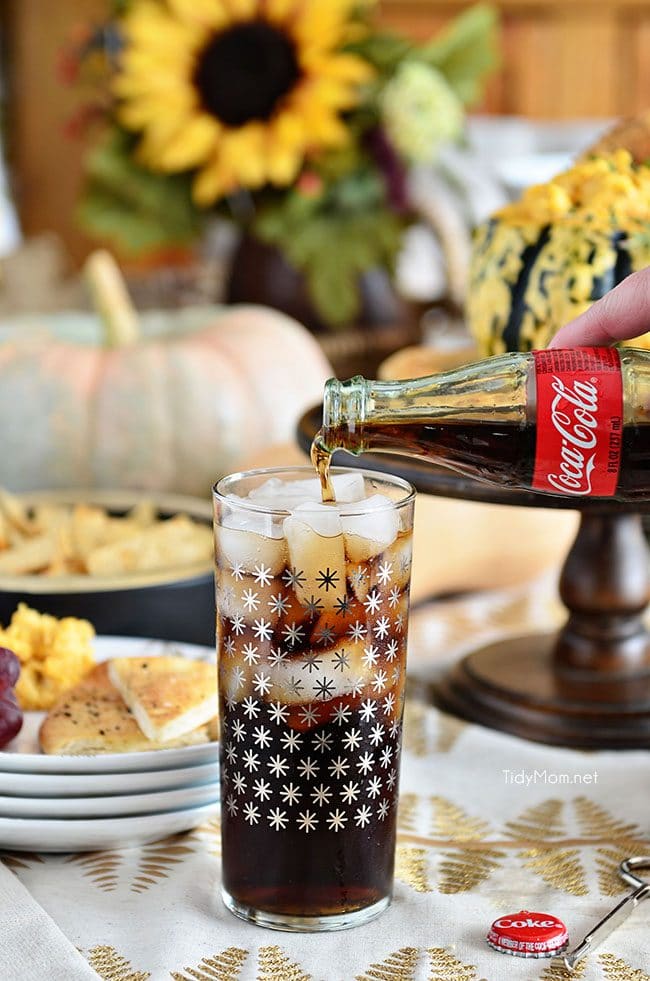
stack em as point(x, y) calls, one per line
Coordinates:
point(528, 934)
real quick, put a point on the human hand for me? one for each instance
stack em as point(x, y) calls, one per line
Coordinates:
point(622, 313)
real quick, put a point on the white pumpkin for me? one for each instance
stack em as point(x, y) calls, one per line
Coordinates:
point(173, 409)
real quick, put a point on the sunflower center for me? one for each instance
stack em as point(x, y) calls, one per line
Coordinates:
point(244, 71)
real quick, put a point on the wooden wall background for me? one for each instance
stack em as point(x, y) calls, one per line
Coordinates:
point(561, 59)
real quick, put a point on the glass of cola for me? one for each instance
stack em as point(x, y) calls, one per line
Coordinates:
point(312, 615)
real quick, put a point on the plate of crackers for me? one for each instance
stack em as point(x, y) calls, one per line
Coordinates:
point(118, 743)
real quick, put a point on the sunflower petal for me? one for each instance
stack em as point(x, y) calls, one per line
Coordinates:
point(244, 9)
point(322, 23)
point(279, 11)
point(341, 67)
point(192, 144)
point(209, 13)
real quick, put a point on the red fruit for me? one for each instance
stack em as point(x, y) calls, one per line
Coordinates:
point(9, 668)
point(11, 720)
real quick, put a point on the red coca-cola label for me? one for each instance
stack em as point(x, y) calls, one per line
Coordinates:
point(528, 934)
point(579, 421)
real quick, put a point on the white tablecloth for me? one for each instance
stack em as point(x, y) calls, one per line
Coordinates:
point(489, 824)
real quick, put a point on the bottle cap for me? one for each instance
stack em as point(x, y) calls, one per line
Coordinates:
point(527, 934)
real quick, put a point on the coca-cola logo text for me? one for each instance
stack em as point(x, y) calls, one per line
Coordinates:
point(574, 416)
point(506, 923)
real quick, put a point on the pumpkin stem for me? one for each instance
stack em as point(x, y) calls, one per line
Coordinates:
point(111, 299)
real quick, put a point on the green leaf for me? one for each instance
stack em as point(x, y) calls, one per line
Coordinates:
point(466, 51)
point(384, 51)
point(133, 207)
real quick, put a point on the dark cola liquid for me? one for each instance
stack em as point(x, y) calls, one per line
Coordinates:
point(310, 777)
point(501, 453)
point(314, 874)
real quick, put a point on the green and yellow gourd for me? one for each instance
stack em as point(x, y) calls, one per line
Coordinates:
point(544, 259)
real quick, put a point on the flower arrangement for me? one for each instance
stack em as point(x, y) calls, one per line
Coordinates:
point(297, 119)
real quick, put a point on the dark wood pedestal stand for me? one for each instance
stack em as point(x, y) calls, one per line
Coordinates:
point(586, 686)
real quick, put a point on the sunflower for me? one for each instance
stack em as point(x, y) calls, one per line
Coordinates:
point(241, 91)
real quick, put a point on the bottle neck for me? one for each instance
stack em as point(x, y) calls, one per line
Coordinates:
point(357, 411)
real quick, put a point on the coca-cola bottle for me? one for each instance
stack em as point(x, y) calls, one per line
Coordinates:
point(569, 422)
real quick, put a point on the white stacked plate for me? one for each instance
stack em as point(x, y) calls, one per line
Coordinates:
point(80, 803)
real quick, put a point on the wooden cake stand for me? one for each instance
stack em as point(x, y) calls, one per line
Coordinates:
point(587, 685)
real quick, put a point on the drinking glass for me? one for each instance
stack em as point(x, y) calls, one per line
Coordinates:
point(312, 612)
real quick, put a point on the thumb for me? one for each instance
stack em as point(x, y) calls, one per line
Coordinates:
point(622, 313)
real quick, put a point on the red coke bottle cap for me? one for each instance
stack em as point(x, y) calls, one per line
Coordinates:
point(527, 934)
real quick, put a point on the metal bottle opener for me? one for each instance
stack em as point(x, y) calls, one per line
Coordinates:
point(620, 912)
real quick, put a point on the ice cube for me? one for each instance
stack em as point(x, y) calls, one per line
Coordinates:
point(318, 676)
point(368, 534)
point(316, 555)
point(247, 539)
point(287, 494)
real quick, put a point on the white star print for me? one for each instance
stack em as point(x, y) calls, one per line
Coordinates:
point(229, 646)
point(341, 714)
point(370, 655)
point(394, 727)
point(237, 678)
point(294, 685)
point(324, 688)
point(293, 577)
point(263, 575)
point(308, 768)
point(262, 683)
point(399, 623)
point(336, 820)
point(251, 813)
point(238, 730)
point(262, 736)
point(291, 740)
point(382, 627)
point(307, 821)
point(350, 792)
point(293, 633)
point(365, 763)
point(262, 789)
point(357, 630)
point(262, 629)
point(386, 756)
point(380, 678)
point(239, 783)
point(278, 819)
point(322, 741)
point(389, 703)
point(382, 810)
point(392, 779)
point(376, 734)
point(279, 604)
point(367, 710)
point(341, 660)
point(237, 570)
point(278, 766)
point(385, 573)
point(372, 601)
point(250, 654)
point(237, 623)
point(309, 714)
point(362, 816)
point(290, 794)
point(232, 806)
point(251, 760)
point(358, 577)
point(321, 795)
point(231, 753)
point(278, 712)
point(392, 650)
point(326, 635)
point(231, 703)
point(339, 767)
point(374, 787)
point(393, 597)
point(250, 600)
point(250, 707)
point(352, 739)
point(277, 656)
